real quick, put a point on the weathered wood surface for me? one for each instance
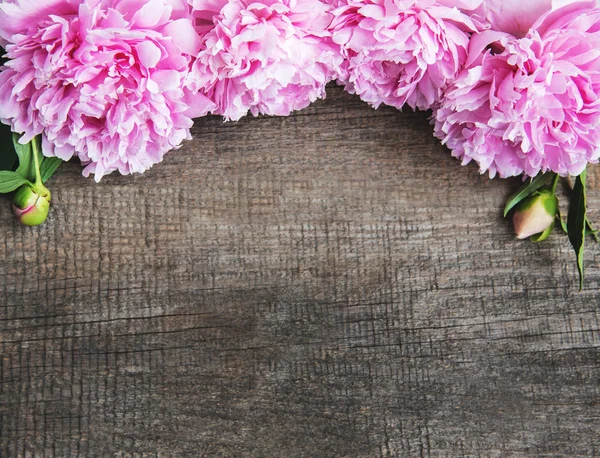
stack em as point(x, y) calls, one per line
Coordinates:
point(329, 284)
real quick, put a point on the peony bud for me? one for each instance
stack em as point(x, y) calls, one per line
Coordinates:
point(535, 214)
point(31, 204)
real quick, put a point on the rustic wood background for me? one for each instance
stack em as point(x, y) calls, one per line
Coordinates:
point(324, 285)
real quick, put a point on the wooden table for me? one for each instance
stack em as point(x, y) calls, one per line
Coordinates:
point(329, 284)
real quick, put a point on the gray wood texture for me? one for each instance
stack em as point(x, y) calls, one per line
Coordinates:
point(328, 284)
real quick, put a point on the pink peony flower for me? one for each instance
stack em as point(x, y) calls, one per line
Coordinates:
point(100, 79)
point(268, 56)
point(402, 51)
point(535, 105)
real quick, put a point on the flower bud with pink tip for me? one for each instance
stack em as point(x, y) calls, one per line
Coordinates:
point(536, 215)
point(31, 204)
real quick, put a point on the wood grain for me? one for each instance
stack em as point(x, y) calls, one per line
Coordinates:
point(328, 284)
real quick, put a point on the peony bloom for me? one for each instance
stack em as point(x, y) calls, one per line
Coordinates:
point(268, 56)
point(99, 79)
point(403, 51)
point(534, 106)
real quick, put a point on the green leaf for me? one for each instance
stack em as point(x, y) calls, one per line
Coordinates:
point(527, 189)
point(49, 166)
point(563, 224)
point(25, 154)
point(8, 157)
point(589, 230)
point(9, 181)
point(576, 222)
point(542, 235)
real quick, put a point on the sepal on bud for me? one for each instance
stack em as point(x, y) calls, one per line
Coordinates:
point(536, 215)
point(31, 204)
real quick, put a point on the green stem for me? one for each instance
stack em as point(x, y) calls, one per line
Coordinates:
point(555, 182)
point(38, 175)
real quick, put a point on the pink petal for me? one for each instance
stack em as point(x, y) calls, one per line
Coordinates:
point(480, 41)
point(560, 9)
point(150, 14)
point(148, 53)
point(184, 36)
point(515, 16)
